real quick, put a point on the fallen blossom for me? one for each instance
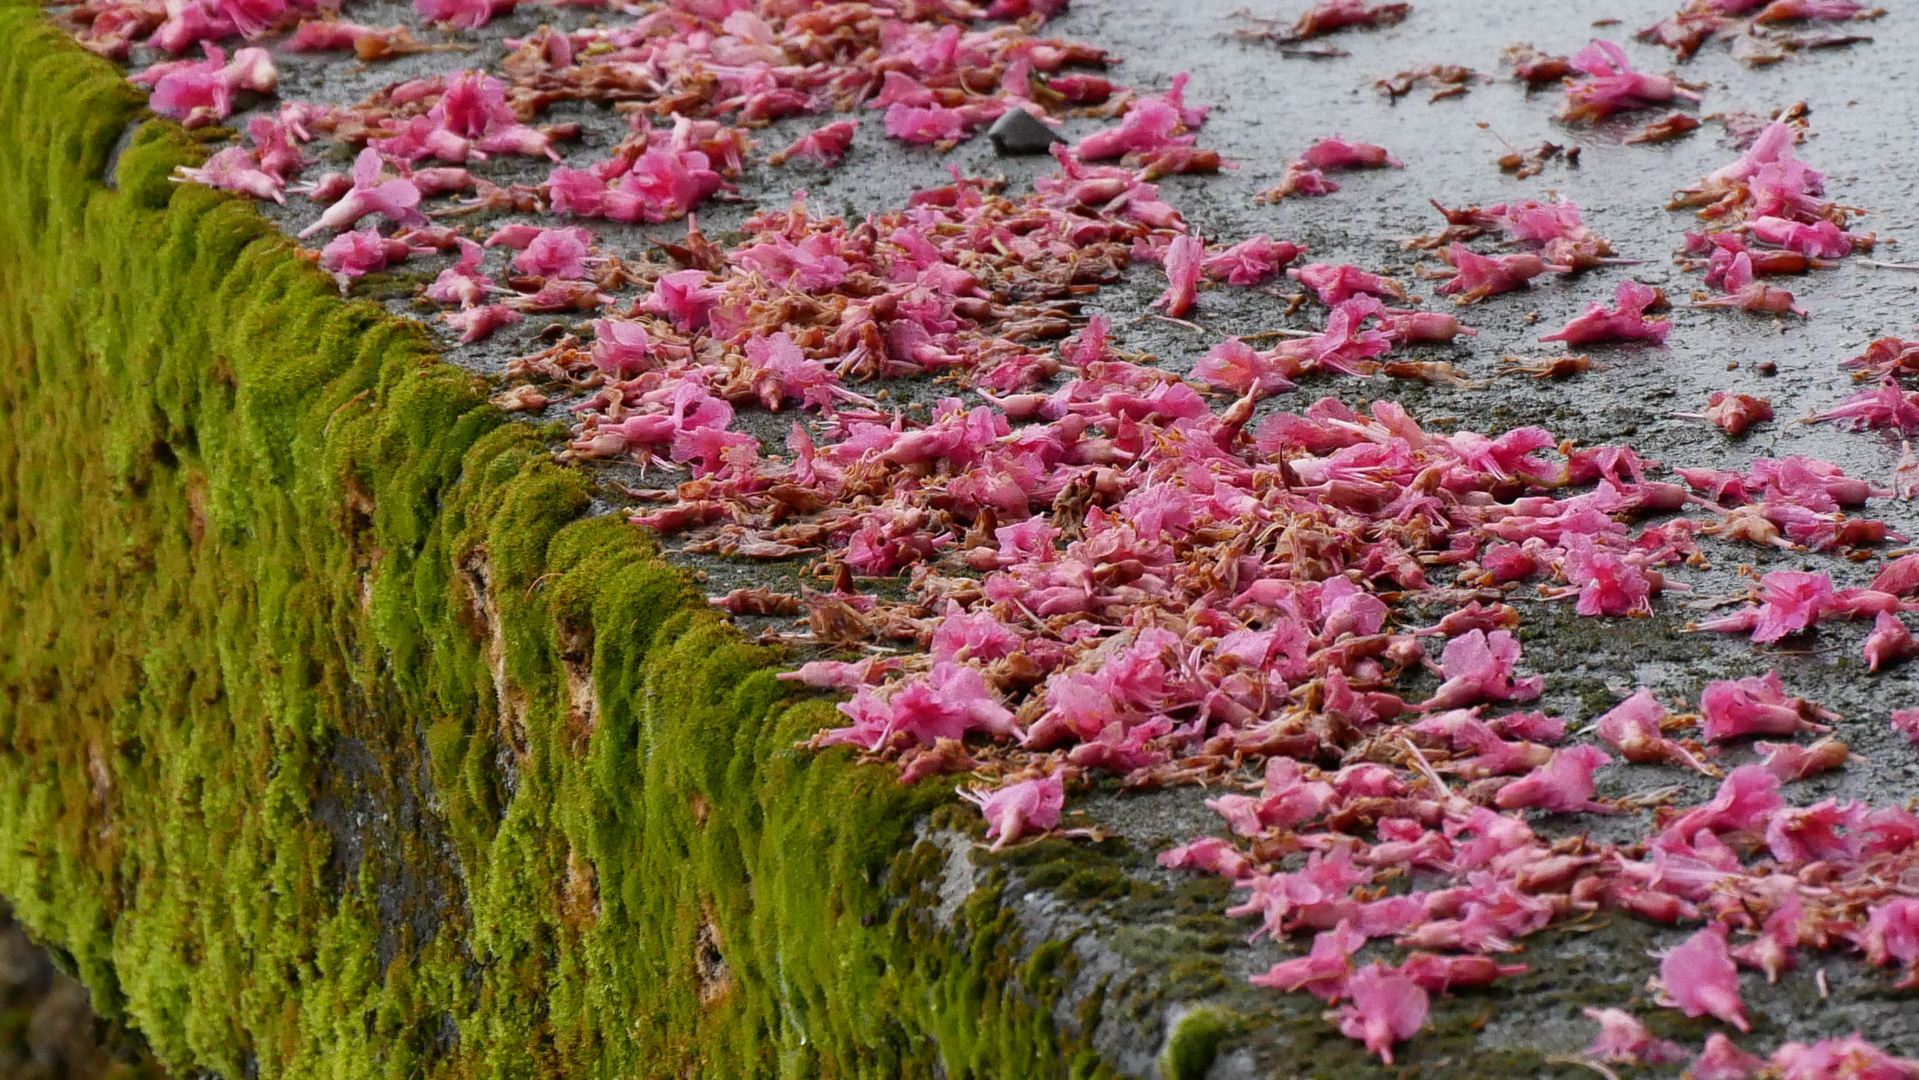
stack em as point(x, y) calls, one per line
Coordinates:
point(1623, 1038)
point(1906, 722)
point(1299, 179)
point(1890, 641)
point(463, 283)
point(1324, 971)
point(201, 93)
point(1386, 1007)
point(1783, 10)
point(1477, 666)
point(1756, 705)
point(479, 323)
point(1333, 152)
point(463, 14)
point(1017, 809)
point(1425, 327)
point(1335, 285)
point(395, 199)
point(1792, 761)
point(1251, 261)
point(1722, 1060)
point(1891, 934)
point(1625, 322)
point(1747, 293)
point(1886, 407)
point(1699, 978)
point(950, 701)
point(364, 251)
point(1563, 785)
point(1665, 129)
point(1211, 854)
point(1236, 366)
point(1745, 802)
point(1790, 602)
point(1183, 258)
point(1850, 1058)
point(1900, 577)
point(1734, 413)
point(1436, 974)
point(1885, 356)
point(1633, 728)
point(1479, 276)
point(1151, 125)
point(555, 253)
point(1447, 81)
point(1772, 950)
point(823, 146)
point(1608, 583)
point(1613, 86)
point(1826, 830)
point(234, 169)
point(1536, 68)
point(1821, 239)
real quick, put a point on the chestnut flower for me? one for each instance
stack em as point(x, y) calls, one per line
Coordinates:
point(1563, 785)
point(1625, 322)
point(1183, 257)
point(1017, 809)
point(1699, 978)
point(1613, 86)
point(234, 169)
point(1623, 1038)
point(1387, 1007)
point(1756, 706)
point(395, 199)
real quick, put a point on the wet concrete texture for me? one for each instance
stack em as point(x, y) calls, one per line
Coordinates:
point(1147, 951)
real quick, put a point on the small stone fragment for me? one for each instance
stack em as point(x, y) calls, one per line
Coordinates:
point(1019, 132)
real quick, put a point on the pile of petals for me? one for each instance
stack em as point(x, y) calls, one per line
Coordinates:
point(1789, 602)
point(111, 28)
point(1096, 565)
point(1746, 24)
point(1788, 503)
point(1081, 599)
point(1548, 235)
point(1766, 214)
point(1611, 85)
point(691, 81)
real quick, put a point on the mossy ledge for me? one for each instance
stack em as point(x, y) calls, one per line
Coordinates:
point(338, 741)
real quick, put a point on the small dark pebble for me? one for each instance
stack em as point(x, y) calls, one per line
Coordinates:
point(1767, 367)
point(1019, 132)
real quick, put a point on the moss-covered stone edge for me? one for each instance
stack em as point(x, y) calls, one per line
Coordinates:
point(336, 740)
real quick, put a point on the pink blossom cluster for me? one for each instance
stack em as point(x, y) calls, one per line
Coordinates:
point(1789, 503)
point(1552, 235)
point(111, 28)
point(202, 92)
point(1611, 85)
point(710, 70)
point(1773, 219)
point(1794, 601)
point(1685, 30)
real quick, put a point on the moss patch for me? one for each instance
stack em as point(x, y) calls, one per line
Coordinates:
point(336, 742)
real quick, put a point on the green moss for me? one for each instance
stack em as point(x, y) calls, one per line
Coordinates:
point(334, 741)
point(1193, 1044)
